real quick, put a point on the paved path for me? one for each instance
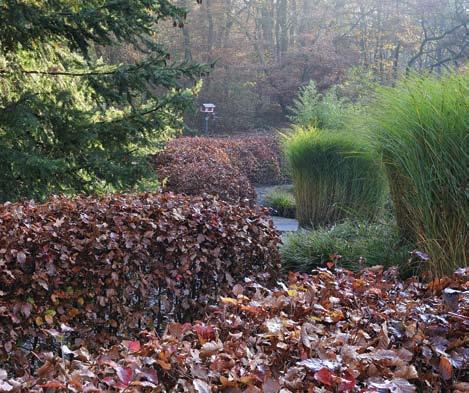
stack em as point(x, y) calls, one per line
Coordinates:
point(281, 223)
point(285, 224)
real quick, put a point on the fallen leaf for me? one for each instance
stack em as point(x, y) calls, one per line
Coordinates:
point(324, 375)
point(446, 368)
point(201, 386)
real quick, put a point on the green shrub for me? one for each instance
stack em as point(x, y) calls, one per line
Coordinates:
point(312, 108)
point(336, 175)
point(282, 201)
point(359, 245)
point(423, 134)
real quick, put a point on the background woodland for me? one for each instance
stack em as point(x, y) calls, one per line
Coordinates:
point(264, 51)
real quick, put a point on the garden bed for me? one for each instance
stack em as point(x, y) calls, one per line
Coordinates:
point(332, 331)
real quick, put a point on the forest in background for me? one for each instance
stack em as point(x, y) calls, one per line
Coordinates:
point(89, 90)
point(265, 50)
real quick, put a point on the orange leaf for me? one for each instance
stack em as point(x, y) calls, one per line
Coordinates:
point(446, 368)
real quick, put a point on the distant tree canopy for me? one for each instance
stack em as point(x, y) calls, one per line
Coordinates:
point(71, 121)
point(267, 49)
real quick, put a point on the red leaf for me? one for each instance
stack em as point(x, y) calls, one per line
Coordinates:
point(53, 385)
point(446, 368)
point(324, 375)
point(132, 346)
point(347, 382)
point(205, 332)
point(125, 374)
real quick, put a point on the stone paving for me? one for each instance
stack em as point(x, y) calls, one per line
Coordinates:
point(285, 224)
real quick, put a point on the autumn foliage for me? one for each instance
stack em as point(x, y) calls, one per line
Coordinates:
point(259, 157)
point(325, 332)
point(194, 166)
point(226, 167)
point(117, 265)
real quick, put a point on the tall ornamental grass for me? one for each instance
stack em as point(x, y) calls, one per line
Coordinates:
point(335, 176)
point(422, 130)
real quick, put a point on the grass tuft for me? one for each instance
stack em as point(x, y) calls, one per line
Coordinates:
point(282, 201)
point(359, 244)
point(421, 128)
point(335, 175)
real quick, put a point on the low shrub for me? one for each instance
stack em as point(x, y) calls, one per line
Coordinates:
point(421, 129)
point(97, 269)
point(351, 244)
point(227, 167)
point(259, 157)
point(195, 166)
point(335, 175)
point(282, 202)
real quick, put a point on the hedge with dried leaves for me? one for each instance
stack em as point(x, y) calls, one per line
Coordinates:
point(194, 166)
point(227, 167)
point(319, 333)
point(113, 266)
point(259, 157)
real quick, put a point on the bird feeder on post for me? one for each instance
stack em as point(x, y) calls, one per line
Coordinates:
point(208, 109)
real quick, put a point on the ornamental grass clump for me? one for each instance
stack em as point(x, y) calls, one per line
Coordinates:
point(336, 175)
point(350, 244)
point(281, 201)
point(423, 135)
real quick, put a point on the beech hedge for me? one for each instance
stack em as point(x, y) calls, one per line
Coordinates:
point(104, 269)
point(194, 166)
point(321, 333)
point(226, 167)
point(260, 158)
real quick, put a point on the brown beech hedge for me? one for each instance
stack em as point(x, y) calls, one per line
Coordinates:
point(194, 166)
point(257, 157)
point(327, 332)
point(227, 167)
point(110, 267)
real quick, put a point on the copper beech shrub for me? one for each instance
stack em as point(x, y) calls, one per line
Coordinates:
point(227, 167)
point(258, 157)
point(194, 166)
point(113, 266)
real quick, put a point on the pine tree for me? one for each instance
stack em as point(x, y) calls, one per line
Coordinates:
point(72, 122)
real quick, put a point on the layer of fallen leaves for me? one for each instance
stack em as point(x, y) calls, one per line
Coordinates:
point(325, 332)
point(89, 271)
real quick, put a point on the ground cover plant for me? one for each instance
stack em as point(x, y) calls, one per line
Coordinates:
point(335, 174)
point(351, 244)
point(326, 332)
point(113, 266)
point(421, 129)
point(195, 166)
